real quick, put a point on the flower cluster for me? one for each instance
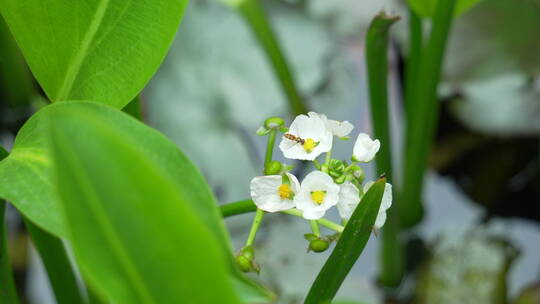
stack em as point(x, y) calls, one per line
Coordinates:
point(334, 182)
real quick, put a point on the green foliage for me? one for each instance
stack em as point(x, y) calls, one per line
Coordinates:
point(26, 174)
point(137, 236)
point(426, 8)
point(103, 50)
point(7, 287)
point(349, 247)
point(392, 261)
point(422, 114)
point(56, 262)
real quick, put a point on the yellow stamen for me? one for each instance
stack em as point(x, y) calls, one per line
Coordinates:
point(285, 192)
point(309, 145)
point(318, 196)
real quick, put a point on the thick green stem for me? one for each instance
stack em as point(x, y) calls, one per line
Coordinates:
point(8, 293)
point(56, 262)
point(269, 148)
point(255, 227)
point(423, 113)
point(413, 59)
point(392, 257)
point(257, 20)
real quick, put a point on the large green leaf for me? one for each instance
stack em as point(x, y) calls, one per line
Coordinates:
point(102, 50)
point(426, 8)
point(136, 234)
point(26, 174)
point(349, 247)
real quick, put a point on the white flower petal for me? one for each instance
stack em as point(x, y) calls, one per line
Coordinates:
point(365, 148)
point(306, 127)
point(381, 219)
point(265, 195)
point(386, 203)
point(349, 197)
point(316, 181)
point(337, 128)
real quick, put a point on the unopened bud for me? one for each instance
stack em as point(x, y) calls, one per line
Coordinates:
point(243, 263)
point(318, 245)
point(273, 168)
point(274, 122)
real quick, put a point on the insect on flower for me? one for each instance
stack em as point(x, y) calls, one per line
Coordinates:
point(295, 138)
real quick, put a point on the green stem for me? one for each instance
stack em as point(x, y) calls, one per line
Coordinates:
point(322, 221)
point(254, 14)
point(392, 257)
point(8, 293)
point(423, 114)
point(255, 227)
point(247, 206)
point(236, 208)
point(56, 262)
point(413, 58)
point(270, 147)
point(315, 227)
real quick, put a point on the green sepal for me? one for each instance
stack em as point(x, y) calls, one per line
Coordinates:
point(262, 131)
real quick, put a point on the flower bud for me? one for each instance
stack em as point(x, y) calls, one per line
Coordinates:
point(273, 168)
point(318, 245)
point(340, 179)
point(243, 263)
point(248, 252)
point(274, 122)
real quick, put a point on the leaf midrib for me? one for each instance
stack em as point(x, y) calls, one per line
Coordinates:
point(123, 257)
point(77, 60)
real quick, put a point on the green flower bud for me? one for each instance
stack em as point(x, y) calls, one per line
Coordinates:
point(274, 122)
point(340, 179)
point(318, 245)
point(273, 168)
point(243, 263)
point(248, 252)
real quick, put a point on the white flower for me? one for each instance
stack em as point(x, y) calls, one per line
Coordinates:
point(365, 148)
point(337, 128)
point(349, 197)
point(271, 194)
point(385, 203)
point(307, 138)
point(317, 194)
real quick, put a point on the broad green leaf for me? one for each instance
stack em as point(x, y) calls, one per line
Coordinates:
point(426, 8)
point(102, 50)
point(26, 175)
point(349, 247)
point(136, 235)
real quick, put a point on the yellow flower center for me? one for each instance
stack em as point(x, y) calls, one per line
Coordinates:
point(309, 145)
point(318, 196)
point(285, 191)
